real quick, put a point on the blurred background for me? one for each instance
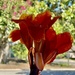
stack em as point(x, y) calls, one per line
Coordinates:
point(17, 52)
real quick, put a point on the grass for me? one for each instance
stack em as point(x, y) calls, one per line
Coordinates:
point(60, 64)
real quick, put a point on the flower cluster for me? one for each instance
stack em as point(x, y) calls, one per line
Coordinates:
point(14, 8)
point(37, 33)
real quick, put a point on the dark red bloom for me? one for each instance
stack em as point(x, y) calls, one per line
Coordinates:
point(64, 42)
point(38, 25)
point(38, 31)
point(52, 46)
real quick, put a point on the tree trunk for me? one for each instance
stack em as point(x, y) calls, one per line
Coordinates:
point(4, 53)
point(1, 56)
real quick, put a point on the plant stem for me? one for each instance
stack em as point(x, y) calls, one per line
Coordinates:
point(33, 68)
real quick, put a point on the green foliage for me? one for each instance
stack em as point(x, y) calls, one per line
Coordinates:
point(20, 51)
point(61, 56)
point(10, 9)
point(60, 64)
point(65, 9)
point(13, 9)
point(37, 7)
point(58, 28)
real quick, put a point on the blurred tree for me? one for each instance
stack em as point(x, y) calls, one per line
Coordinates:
point(63, 8)
point(13, 9)
point(9, 9)
point(20, 51)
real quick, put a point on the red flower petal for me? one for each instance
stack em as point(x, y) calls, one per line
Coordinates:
point(64, 42)
point(25, 38)
point(52, 21)
point(23, 17)
point(50, 34)
point(16, 21)
point(50, 41)
point(38, 25)
point(42, 18)
point(39, 61)
point(15, 35)
point(50, 57)
point(48, 49)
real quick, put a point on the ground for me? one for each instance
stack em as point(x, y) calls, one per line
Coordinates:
point(14, 65)
point(14, 68)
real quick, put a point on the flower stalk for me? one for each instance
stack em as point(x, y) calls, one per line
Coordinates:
point(33, 68)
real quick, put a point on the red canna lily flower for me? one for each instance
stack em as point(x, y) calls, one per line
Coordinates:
point(51, 47)
point(41, 39)
point(38, 25)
